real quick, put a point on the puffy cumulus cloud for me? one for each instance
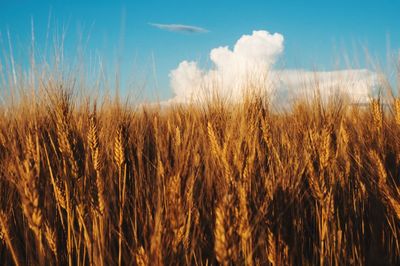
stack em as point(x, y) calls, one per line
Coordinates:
point(186, 80)
point(259, 49)
point(249, 65)
point(251, 55)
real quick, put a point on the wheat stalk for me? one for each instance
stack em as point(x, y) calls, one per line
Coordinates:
point(221, 243)
point(377, 115)
point(215, 147)
point(119, 158)
point(244, 224)
point(93, 139)
point(397, 110)
point(271, 248)
point(326, 153)
point(119, 149)
point(175, 208)
point(141, 257)
point(29, 189)
point(7, 238)
point(382, 175)
point(156, 249)
point(50, 235)
point(64, 138)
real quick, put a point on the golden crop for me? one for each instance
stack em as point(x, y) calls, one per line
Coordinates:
point(107, 184)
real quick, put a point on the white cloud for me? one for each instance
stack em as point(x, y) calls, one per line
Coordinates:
point(186, 80)
point(179, 28)
point(250, 62)
point(357, 84)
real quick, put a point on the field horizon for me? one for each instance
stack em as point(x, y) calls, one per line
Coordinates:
point(101, 182)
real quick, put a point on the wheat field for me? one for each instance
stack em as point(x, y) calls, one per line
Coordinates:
point(90, 182)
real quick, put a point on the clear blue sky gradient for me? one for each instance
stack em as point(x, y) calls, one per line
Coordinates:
point(317, 33)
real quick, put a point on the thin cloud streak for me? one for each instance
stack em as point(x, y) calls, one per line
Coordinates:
point(179, 28)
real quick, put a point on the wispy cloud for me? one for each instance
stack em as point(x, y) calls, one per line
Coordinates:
point(179, 28)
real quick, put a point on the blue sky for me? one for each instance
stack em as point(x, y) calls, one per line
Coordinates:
point(317, 33)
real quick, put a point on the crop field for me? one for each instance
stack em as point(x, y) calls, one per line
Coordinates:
point(100, 182)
